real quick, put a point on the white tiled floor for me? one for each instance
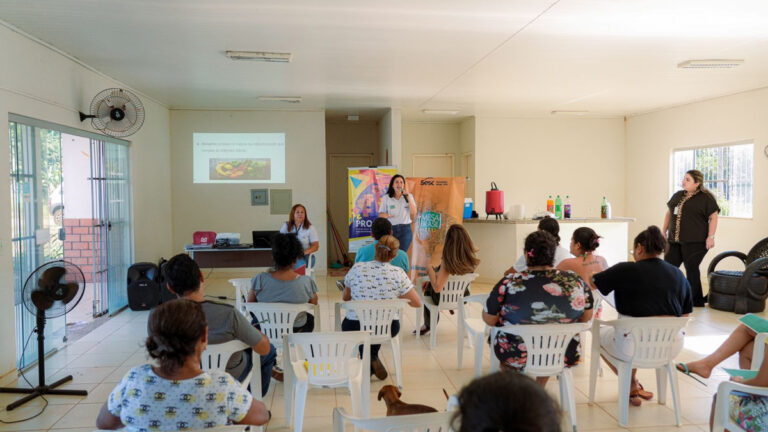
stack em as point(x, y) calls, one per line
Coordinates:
point(100, 359)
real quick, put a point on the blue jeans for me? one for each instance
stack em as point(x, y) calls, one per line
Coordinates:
point(404, 234)
point(268, 361)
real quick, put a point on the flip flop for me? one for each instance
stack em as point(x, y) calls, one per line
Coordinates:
point(642, 393)
point(683, 369)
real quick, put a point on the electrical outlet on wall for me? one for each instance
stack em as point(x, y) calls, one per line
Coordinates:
point(259, 197)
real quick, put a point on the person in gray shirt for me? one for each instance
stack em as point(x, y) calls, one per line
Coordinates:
point(283, 284)
point(224, 323)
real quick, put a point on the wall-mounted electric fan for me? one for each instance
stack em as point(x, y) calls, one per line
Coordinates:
point(116, 112)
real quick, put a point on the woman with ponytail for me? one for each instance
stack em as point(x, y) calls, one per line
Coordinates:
point(378, 280)
point(647, 287)
point(583, 244)
point(175, 393)
point(690, 225)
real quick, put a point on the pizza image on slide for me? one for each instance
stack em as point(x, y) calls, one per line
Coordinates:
point(240, 169)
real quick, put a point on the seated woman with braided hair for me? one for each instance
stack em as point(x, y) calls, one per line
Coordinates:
point(176, 394)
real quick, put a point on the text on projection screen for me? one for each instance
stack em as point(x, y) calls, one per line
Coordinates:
point(238, 157)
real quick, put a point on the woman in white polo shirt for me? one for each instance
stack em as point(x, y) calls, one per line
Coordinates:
point(299, 224)
point(400, 208)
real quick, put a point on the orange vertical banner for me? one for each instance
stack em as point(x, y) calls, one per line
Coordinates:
point(440, 204)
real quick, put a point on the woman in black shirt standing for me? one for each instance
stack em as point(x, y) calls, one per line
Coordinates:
point(690, 225)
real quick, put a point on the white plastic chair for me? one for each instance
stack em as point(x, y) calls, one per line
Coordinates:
point(452, 292)
point(231, 428)
point(654, 338)
point(376, 317)
point(546, 345)
point(476, 330)
point(311, 264)
point(428, 422)
point(276, 319)
point(215, 357)
point(242, 286)
point(722, 419)
point(326, 360)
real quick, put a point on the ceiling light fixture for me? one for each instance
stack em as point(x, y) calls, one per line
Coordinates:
point(570, 113)
point(440, 112)
point(287, 99)
point(710, 64)
point(353, 117)
point(260, 56)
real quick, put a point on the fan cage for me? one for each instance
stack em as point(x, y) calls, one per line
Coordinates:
point(108, 99)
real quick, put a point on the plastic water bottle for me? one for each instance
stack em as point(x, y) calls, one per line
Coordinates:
point(604, 209)
point(567, 207)
point(558, 208)
point(550, 205)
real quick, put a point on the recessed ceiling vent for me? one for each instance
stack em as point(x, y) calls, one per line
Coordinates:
point(710, 64)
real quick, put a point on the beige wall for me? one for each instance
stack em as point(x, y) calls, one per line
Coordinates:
point(352, 137)
point(390, 138)
point(227, 208)
point(651, 138)
point(530, 159)
point(429, 138)
point(38, 82)
point(467, 145)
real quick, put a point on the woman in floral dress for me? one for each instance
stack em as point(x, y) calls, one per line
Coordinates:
point(538, 295)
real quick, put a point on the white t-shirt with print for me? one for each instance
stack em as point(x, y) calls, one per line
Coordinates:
point(306, 236)
point(145, 401)
point(399, 211)
point(375, 280)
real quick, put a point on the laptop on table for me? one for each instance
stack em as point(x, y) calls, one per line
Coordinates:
point(263, 239)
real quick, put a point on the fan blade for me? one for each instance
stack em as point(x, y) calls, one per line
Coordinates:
point(109, 103)
point(50, 278)
point(71, 292)
point(41, 300)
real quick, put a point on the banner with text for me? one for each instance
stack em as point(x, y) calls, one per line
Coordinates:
point(366, 187)
point(440, 204)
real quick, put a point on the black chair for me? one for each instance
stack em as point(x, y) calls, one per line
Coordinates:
point(740, 291)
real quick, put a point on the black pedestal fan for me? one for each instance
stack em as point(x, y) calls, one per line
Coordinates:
point(51, 291)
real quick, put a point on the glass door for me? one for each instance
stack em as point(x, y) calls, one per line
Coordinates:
point(71, 200)
point(36, 224)
point(118, 224)
point(113, 227)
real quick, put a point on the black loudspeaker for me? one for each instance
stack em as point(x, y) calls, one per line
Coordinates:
point(165, 293)
point(143, 289)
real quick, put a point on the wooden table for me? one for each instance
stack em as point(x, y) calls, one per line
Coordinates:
point(231, 258)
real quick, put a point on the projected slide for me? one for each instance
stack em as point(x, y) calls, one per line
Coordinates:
point(238, 157)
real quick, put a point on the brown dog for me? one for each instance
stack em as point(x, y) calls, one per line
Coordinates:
point(395, 406)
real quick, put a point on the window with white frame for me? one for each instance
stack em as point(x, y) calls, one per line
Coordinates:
point(727, 173)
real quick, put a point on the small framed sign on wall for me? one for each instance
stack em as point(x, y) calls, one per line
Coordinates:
point(280, 201)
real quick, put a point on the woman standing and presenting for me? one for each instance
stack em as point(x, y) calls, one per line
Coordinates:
point(299, 224)
point(399, 207)
point(690, 225)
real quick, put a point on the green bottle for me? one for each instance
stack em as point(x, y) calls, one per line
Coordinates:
point(558, 208)
point(604, 209)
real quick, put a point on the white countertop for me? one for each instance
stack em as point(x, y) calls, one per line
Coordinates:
point(492, 220)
